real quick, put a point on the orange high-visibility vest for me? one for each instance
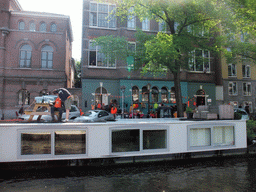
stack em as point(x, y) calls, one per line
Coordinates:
point(57, 103)
point(113, 110)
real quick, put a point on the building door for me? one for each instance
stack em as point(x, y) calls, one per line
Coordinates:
point(200, 97)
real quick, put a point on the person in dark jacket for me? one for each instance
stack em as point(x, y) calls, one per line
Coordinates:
point(66, 98)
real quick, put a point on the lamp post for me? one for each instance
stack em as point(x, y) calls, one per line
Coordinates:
point(148, 87)
point(101, 85)
point(122, 90)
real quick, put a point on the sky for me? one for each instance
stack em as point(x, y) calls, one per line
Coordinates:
point(72, 8)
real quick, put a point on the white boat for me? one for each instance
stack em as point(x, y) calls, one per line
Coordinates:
point(120, 141)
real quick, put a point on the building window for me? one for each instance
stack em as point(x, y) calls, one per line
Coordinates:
point(125, 140)
point(173, 98)
point(246, 69)
point(223, 135)
point(247, 89)
point(102, 15)
point(42, 27)
point(99, 95)
point(232, 88)
point(32, 26)
point(135, 93)
point(162, 26)
point(155, 93)
point(145, 94)
point(131, 20)
point(145, 25)
point(21, 25)
point(98, 59)
point(53, 27)
point(200, 61)
point(232, 70)
point(164, 95)
point(25, 56)
point(47, 57)
point(23, 97)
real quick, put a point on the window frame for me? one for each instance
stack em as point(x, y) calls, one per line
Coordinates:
point(26, 52)
point(232, 83)
point(21, 25)
point(94, 15)
point(53, 29)
point(212, 136)
point(232, 70)
point(247, 89)
point(142, 128)
point(52, 143)
point(193, 64)
point(246, 71)
point(47, 60)
point(131, 20)
point(32, 26)
point(43, 27)
point(145, 25)
point(96, 50)
point(23, 97)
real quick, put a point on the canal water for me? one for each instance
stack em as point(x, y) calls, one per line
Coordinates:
point(229, 174)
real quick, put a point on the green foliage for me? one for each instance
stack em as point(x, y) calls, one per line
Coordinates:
point(251, 128)
point(78, 83)
point(237, 115)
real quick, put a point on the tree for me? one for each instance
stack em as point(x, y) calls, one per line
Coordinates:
point(78, 75)
point(190, 25)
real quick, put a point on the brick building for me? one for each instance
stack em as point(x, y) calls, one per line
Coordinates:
point(101, 81)
point(35, 55)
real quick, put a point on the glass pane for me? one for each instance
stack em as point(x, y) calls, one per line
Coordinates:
point(50, 64)
point(21, 25)
point(28, 55)
point(44, 54)
point(28, 63)
point(32, 27)
point(103, 8)
point(50, 56)
point(154, 139)
point(92, 61)
point(35, 143)
point(22, 54)
point(43, 64)
point(200, 137)
point(125, 140)
point(22, 63)
point(47, 48)
point(53, 28)
point(103, 20)
point(70, 142)
point(93, 7)
point(93, 19)
point(223, 135)
point(43, 27)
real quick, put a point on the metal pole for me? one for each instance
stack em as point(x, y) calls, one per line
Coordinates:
point(122, 103)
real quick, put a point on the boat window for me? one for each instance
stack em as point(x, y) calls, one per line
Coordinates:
point(154, 139)
point(35, 143)
point(200, 137)
point(223, 135)
point(125, 140)
point(70, 142)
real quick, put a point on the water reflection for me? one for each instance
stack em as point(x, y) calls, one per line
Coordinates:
point(214, 175)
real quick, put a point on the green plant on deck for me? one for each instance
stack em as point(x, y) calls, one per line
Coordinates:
point(251, 129)
point(189, 110)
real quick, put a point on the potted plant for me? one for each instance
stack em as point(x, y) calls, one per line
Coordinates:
point(189, 112)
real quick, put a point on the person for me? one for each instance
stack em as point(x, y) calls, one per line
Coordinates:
point(114, 111)
point(56, 107)
point(247, 109)
point(21, 111)
point(66, 98)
